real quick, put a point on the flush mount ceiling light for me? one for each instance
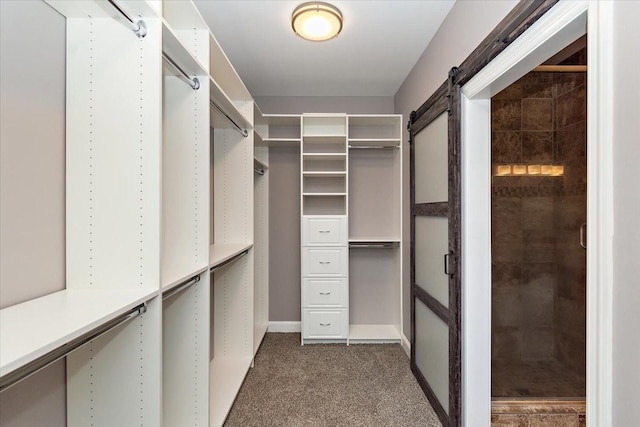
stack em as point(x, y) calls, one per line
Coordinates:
point(316, 21)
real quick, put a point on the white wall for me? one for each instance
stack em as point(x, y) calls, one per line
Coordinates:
point(468, 23)
point(32, 185)
point(626, 242)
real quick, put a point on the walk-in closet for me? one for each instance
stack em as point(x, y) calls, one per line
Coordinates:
point(288, 213)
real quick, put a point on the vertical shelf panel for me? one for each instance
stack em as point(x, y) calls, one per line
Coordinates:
point(185, 195)
point(113, 172)
point(261, 250)
point(185, 350)
point(115, 380)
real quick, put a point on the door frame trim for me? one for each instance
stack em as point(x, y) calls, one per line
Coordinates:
point(518, 58)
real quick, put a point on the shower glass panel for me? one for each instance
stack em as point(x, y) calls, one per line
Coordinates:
point(538, 211)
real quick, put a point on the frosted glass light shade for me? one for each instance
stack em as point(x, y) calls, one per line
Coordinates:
point(316, 21)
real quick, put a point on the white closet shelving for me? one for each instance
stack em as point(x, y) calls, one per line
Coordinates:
point(160, 190)
point(375, 232)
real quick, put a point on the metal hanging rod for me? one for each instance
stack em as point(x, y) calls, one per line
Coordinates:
point(138, 27)
point(258, 171)
point(182, 287)
point(193, 82)
point(376, 245)
point(379, 147)
point(56, 354)
point(217, 107)
point(230, 260)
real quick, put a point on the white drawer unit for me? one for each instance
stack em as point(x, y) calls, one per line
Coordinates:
point(325, 293)
point(324, 231)
point(325, 324)
point(325, 262)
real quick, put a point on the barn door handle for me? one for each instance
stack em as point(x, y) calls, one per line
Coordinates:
point(447, 270)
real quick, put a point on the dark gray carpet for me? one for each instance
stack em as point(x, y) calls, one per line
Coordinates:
point(330, 385)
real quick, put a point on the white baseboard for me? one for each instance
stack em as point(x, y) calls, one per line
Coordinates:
point(284, 327)
point(406, 345)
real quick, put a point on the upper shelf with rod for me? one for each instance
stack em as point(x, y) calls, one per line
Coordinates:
point(30, 330)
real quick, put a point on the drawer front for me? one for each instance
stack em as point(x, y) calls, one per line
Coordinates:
point(325, 293)
point(324, 262)
point(324, 231)
point(332, 324)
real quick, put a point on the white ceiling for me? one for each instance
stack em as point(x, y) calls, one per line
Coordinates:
point(380, 43)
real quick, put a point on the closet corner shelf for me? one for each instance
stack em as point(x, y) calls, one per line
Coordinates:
point(328, 138)
point(324, 194)
point(171, 280)
point(324, 156)
point(373, 334)
point(226, 378)
point(36, 327)
point(221, 252)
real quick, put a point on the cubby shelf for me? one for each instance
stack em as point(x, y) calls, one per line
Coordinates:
point(33, 328)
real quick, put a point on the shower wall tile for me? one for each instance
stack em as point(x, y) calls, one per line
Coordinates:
point(506, 344)
point(564, 82)
point(537, 146)
point(537, 85)
point(571, 107)
point(538, 343)
point(537, 114)
point(509, 301)
point(505, 115)
point(537, 213)
point(510, 253)
point(513, 91)
point(538, 304)
point(505, 275)
point(571, 142)
point(507, 147)
point(506, 221)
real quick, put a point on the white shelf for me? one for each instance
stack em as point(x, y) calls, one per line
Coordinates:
point(275, 142)
point(324, 173)
point(34, 328)
point(173, 280)
point(324, 194)
point(98, 9)
point(226, 378)
point(219, 96)
point(175, 50)
point(385, 239)
point(326, 138)
point(373, 334)
point(325, 156)
point(219, 253)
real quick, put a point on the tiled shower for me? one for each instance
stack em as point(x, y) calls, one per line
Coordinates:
point(538, 218)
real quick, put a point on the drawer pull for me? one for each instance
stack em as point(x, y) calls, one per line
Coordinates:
point(325, 324)
point(325, 293)
point(324, 262)
point(324, 231)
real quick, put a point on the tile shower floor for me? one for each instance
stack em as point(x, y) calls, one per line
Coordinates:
point(539, 378)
